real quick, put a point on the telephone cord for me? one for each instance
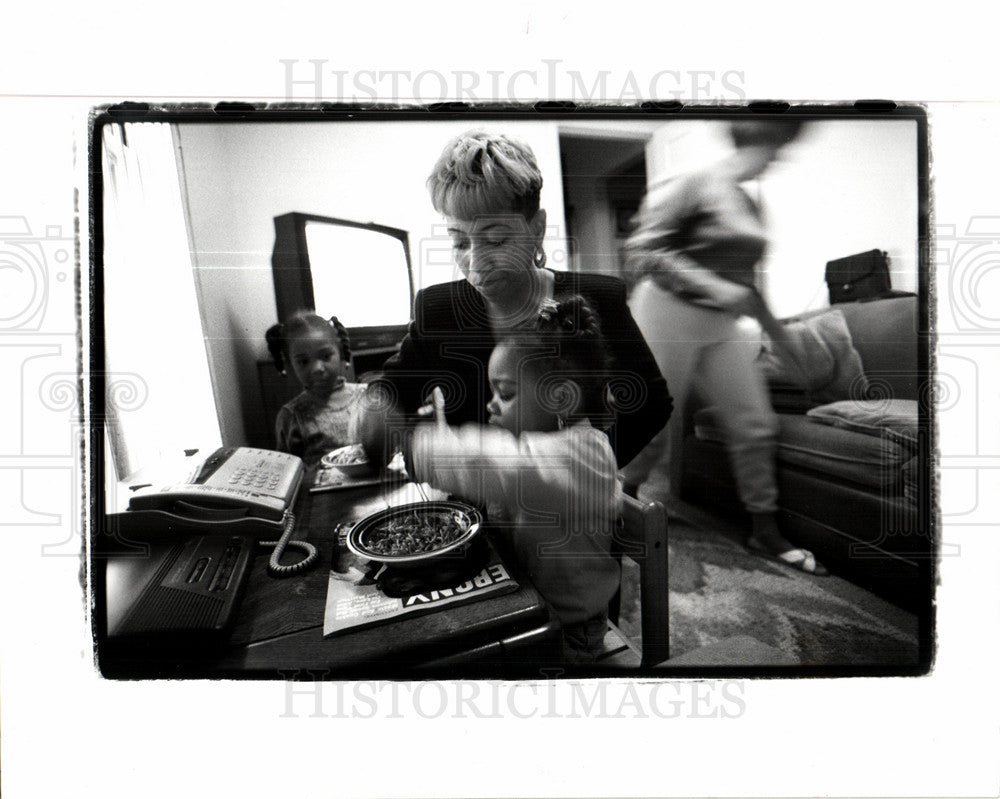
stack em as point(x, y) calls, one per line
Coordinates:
point(274, 565)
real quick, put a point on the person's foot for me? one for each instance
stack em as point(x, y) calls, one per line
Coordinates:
point(768, 540)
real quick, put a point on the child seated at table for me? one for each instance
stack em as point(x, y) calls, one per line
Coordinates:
point(325, 415)
point(543, 465)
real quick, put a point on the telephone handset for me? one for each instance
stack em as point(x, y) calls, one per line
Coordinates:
point(237, 489)
point(233, 483)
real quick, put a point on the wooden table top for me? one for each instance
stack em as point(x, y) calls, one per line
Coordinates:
point(278, 632)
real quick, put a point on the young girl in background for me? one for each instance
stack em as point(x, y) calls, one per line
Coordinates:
point(543, 466)
point(325, 415)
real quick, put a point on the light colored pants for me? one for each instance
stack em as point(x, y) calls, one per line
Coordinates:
point(716, 352)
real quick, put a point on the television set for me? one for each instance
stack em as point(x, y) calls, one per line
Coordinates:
point(321, 263)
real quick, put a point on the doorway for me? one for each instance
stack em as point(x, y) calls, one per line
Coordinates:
point(604, 181)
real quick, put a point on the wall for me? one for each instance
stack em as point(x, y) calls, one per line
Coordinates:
point(845, 186)
point(238, 177)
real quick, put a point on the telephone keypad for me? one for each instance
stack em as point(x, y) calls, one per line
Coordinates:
point(261, 476)
point(248, 483)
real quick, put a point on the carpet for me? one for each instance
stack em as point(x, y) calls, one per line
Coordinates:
point(719, 589)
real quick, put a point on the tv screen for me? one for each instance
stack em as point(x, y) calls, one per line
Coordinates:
point(329, 265)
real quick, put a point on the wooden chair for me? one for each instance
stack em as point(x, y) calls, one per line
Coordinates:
point(642, 537)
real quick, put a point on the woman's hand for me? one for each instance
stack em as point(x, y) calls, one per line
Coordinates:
point(738, 299)
point(684, 277)
point(734, 298)
point(380, 427)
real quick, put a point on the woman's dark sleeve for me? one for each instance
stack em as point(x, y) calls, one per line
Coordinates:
point(642, 399)
point(444, 347)
point(406, 372)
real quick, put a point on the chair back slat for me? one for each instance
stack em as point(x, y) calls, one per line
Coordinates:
point(643, 534)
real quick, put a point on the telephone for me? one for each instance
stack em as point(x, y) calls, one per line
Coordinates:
point(240, 490)
point(235, 487)
point(201, 539)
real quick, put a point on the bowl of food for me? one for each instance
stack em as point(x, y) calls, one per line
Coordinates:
point(411, 535)
point(352, 460)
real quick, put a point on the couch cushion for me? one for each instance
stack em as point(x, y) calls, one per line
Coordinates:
point(829, 366)
point(895, 419)
point(845, 454)
point(885, 334)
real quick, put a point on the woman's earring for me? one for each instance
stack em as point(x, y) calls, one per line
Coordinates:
point(560, 424)
point(540, 257)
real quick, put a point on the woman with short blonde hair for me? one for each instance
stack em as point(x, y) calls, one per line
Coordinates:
point(488, 187)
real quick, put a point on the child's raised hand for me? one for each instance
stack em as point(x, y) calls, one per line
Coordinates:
point(434, 405)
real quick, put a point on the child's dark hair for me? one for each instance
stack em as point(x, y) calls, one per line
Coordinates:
point(568, 336)
point(278, 336)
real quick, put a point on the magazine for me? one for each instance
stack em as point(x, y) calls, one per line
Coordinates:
point(354, 598)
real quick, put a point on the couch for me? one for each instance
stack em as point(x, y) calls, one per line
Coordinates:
point(853, 465)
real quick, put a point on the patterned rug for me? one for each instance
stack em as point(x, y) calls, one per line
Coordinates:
point(719, 589)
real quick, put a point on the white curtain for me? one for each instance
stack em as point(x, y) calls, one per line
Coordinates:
point(160, 400)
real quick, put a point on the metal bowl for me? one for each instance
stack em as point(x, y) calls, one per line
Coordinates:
point(351, 460)
point(359, 538)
